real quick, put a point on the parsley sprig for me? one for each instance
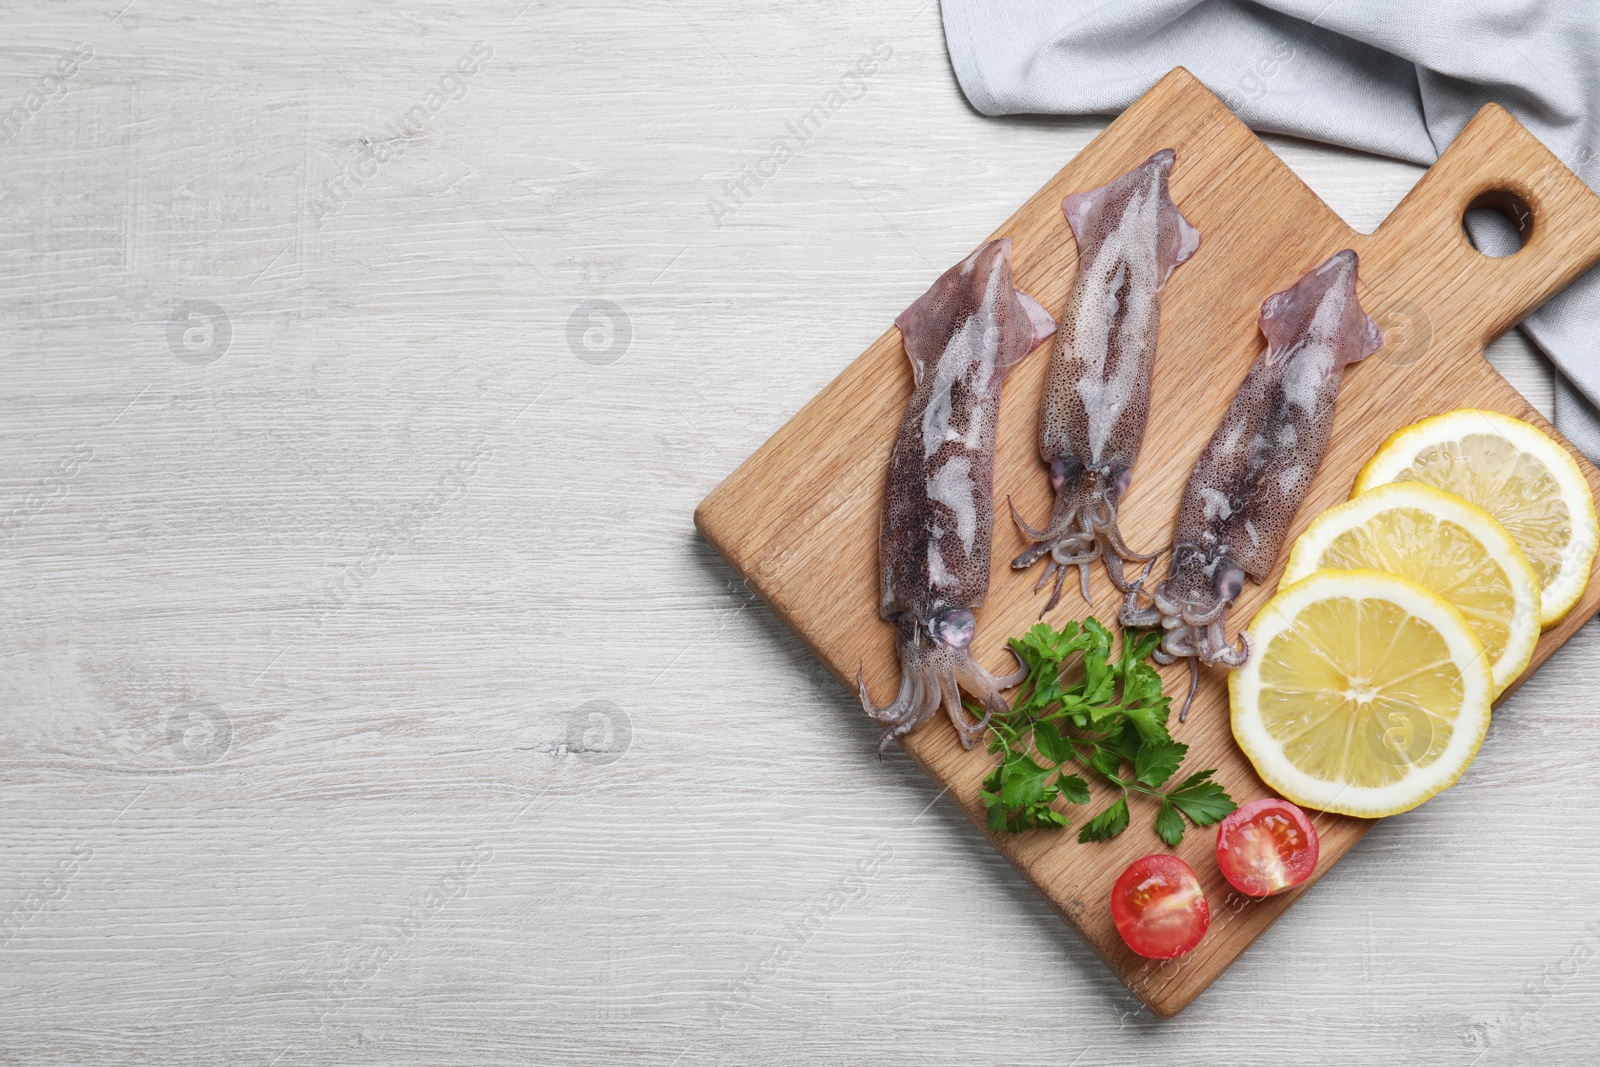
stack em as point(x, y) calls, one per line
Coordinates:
point(1111, 723)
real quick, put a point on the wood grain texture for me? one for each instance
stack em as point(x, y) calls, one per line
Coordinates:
point(723, 892)
point(799, 520)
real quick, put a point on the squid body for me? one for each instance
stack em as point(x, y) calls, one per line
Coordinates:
point(961, 337)
point(1248, 483)
point(1097, 398)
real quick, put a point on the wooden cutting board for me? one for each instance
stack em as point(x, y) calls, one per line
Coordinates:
point(799, 519)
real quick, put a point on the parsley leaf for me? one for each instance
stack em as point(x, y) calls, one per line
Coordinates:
point(1107, 824)
point(1108, 761)
point(1022, 782)
point(1048, 740)
point(1073, 789)
point(1156, 761)
point(1169, 824)
point(1204, 802)
point(1151, 723)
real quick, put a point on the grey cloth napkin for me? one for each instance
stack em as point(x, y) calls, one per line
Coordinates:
point(1396, 77)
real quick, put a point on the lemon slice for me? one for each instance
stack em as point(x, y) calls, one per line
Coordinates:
point(1364, 693)
point(1444, 544)
point(1516, 473)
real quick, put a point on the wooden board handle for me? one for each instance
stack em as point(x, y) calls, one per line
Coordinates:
point(1495, 162)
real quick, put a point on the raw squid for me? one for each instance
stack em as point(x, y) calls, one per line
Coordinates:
point(1248, 483)
point(961, 336)
point(1130, 238)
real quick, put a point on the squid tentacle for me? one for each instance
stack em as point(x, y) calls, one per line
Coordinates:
point(1074, 550)
point(986, 687)
point(1212, 614)
point(1077, 535)
point(1193, 631)
point(968, 733)
point(1217, 652)
point(1113, 537)
point(1053, 529)
point(1072, 553)
point(933, 675)
point(1055, 594)
point(1132, 614)
point(895, 710)
point(1194, 687)
point(1016, 677)
point(1118, 548)
point(909, 710)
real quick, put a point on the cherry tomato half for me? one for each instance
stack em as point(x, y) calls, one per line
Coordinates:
point(1159, 908)
point(1266, 847)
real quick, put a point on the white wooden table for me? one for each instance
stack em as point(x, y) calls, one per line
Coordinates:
point(368, 696)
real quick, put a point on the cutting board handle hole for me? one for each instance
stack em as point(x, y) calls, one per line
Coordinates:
point(1498, 223)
